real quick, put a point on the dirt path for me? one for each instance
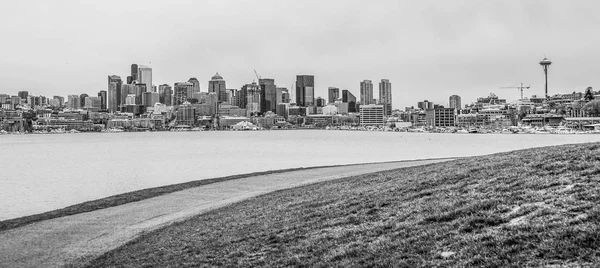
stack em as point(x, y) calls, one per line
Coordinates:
point(82, 237)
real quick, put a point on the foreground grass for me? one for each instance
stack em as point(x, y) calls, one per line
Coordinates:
point(120, 199)
point(537, 207)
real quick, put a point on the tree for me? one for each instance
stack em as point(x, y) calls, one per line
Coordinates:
point(589, 94)
point(593, 107)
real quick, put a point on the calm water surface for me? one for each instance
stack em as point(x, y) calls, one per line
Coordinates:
point(46, 172)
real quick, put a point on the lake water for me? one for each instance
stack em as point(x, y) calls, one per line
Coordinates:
point(46, 172)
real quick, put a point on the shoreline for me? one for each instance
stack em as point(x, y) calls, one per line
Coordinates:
point(147, 193)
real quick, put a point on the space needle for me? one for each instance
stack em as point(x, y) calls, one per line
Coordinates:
point(545, 64)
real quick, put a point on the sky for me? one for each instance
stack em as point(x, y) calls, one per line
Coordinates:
point(427, 49)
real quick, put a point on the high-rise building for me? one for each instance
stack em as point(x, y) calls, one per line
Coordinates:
point(305, 90)
point(61, 100)
point(165, 94)
point(366, 92)
point(371, 115)
point(145, 77)
point(285, 94)
point(348, 97)
point(320, 102)
point(385, 96)
point(92, 103)
point(134, 73)
point(455, 102)
point(269, 95)
point(425, 105)
point(333, 93)
point(182, 92)
point(217, 85)
point(74, 102)
point(82, 99)
point(250, 95)
point(23, 95)
point(130, 99)
point(115, 95)
point(149, 98)
point(196, 85)
point(103, 97)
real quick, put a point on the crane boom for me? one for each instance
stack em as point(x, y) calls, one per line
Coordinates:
point(257, 76)
point(520, 88)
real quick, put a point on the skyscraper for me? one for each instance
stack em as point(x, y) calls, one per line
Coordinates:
point(333, 93)
point(269, 96)
point(196, 85)
point(285, 94)
point(454, 101)
point(102, 96)
point(23, 95)
point(348, 97)
point(134, 73)
point(250, 97)
point(74, 102)
point(82, 99)
point(114, 99)
point(165, 94)
point(366, 92)
point(145, 77)
point(217, 85)
point(385, 96)
point(182, 92)
point(305, 90)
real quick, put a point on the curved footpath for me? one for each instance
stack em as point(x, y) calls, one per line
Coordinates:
point(80, 238)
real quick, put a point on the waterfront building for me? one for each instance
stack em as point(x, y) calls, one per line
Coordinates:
point(366, 92)
point(115, 96)
point(231, 110)
point(74, 102)
point(342, 107)
point(385, 96)
point(145, 77)
point(196, 85)
point(371, 115)
point(333, 94)
point(305, 90)
point(186, 115)
point(165, 94)
point(454, 102)
point(348, 97)
point(441, 117)
point(283, 110)
point(330, 109)
point(103, 96)
point(217, 85)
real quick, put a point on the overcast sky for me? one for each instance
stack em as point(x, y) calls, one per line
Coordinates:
point(428, 49)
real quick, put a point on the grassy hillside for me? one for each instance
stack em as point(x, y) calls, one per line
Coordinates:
point(537, 207)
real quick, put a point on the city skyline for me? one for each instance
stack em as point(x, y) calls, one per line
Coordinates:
point(411, 44)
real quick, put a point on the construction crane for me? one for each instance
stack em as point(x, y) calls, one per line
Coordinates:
point(520, 88)
point(257, 76)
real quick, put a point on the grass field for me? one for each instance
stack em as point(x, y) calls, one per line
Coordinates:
point(536, 207)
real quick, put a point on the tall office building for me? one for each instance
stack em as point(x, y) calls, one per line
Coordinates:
point(333, 93)
point(371, 115)
point(425, 105)
point(149, 98)
point(102, 95)
point(305, 90)
point(366, 92)
point(82, 99)
point(92, 103)
point(23, 95)
point(348, 97)
point(250, 96)
point(115, 96)
point(134, 74)
point(320, 102)
point(165, 94)
point(145, 77)
point(61, 100)
point(74, 102)
point(182, 92)
point(385, 96)
point(455, 102)
point(269, 95)
point(285, 95)
point(126, 89)
point(217, 85)
point(196, 85)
